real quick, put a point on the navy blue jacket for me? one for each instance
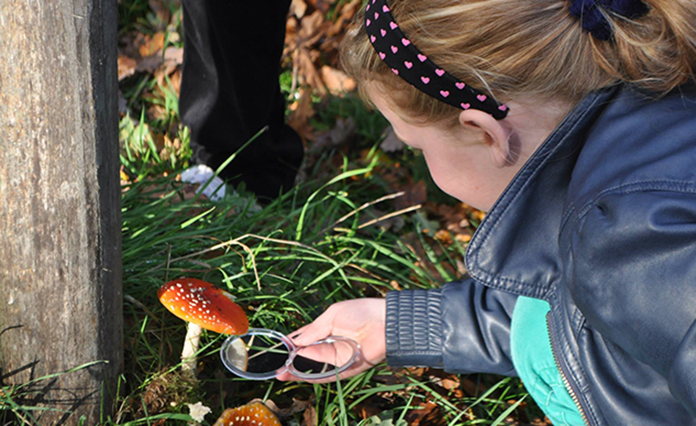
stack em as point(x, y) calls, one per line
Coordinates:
point(601, 223)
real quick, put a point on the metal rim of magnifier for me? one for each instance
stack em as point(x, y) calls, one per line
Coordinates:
point(292, 353)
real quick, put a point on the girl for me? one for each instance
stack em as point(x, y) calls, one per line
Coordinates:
point(573, 123)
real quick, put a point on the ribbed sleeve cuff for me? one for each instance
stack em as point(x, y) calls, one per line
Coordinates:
point(414, 328)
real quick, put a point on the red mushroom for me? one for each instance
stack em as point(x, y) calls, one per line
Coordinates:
point(252, 414)
point(202, 305)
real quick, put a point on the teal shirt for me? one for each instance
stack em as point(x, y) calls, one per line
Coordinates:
point(535, 363)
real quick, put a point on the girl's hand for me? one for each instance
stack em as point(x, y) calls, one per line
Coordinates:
point(362, 320)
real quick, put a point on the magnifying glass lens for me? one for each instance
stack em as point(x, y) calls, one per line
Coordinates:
point(323, 359)
point(265, 353)
point(259, 355)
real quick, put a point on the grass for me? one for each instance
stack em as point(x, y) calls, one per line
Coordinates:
point(285, 262)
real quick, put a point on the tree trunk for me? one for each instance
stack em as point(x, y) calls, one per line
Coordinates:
point(60, 246)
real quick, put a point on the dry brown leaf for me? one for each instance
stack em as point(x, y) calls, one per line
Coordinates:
point(449, 383)
point(152, 44)
point(312, 28)
point(169, 146)
point(158, 139)
point(156, 112)
point(429, 414)
point(173, 56)
point(345, 16)
point(302, 111)
point(297, 406)
point(309, 31)
point(471, 388)
point(444, 237)
point(149, 63)
point(371, 406)
point(126, 66)
point(337, 81)
point(395, 285)
point(416, 193)
point(391, 143)
point(128, 43)
point(342, 131)
point(291, 26)
point(161, 11)
point(308, 72)
point(309, 417)
point(175, 81)
point(298, 8)
point(322, 5)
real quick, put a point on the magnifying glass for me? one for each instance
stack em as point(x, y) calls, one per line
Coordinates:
point(263, 354)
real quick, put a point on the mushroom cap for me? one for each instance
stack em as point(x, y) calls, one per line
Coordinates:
point(253, 414)
point(203, 304)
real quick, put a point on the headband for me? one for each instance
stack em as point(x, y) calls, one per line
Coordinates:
point(592, 19)
point(409, 63)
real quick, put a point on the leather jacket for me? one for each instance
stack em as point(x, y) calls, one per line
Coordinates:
point(601, 223)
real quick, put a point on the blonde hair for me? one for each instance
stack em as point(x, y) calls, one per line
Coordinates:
point(529, 49)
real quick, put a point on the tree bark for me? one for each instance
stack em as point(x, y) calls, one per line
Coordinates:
point(60, 244)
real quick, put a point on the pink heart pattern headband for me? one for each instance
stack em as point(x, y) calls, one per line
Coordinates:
point(412, 65)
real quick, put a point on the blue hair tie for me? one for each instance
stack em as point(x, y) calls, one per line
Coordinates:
point(592, 19)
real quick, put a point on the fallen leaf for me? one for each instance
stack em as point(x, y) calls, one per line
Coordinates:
point(175, 81)
point(309, 417)
point(336, 81)
point(161, 11)
point(444, 237)
point(311, 29)
point(395, 285)
point(126, 66)
point(341, 132)
point(415, 193)
point(471, 388)
point(152, 44)
point(298, 8)
point(347, 12)
point(301, 111)
point(322, 5)
point(391, 142)
point(173, 56)
point(149, 63)
point(428, 414)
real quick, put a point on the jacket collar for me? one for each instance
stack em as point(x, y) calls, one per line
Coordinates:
point(515, 249)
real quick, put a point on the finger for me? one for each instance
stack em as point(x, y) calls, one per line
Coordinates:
point(320, 329)
point(286, 377)
point(295, 334)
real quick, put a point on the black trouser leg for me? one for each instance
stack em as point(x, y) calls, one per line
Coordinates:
point(230, 90)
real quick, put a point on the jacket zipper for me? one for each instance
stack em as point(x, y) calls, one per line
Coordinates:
point(566, 382)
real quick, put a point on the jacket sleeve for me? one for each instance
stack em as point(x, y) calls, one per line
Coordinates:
point(464, 327)
point(634, 279)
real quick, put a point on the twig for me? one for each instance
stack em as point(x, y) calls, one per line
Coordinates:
point(213, 248)
point(363, 207)
point(390, 215)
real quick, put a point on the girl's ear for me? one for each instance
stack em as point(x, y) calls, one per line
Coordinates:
point(496, 134)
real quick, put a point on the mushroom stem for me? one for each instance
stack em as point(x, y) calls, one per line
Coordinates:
point(191, 342)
